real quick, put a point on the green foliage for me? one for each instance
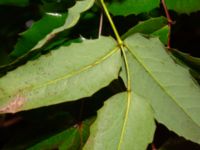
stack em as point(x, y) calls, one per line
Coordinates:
point(120, 130)
point(153, 26)
point(38, 31)
point(72, 138)
point(127, 7)
point(39, 34)
point(64, 71)
point(168, 87)
point(183, 6)
point(14, 2)
point(33, 85)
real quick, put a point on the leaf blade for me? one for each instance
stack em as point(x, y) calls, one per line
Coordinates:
point(183, 6)
point(60, 76)
point(73, 17)
point(68, 139)
point(39, 30)
point(147, 27)
point(168, 87)
point(36, 32)
point(127, 7)
point(106, 132)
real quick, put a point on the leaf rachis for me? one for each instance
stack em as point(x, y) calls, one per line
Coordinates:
point(121, 45)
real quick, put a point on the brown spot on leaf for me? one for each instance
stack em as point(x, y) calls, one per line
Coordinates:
point(14, 105)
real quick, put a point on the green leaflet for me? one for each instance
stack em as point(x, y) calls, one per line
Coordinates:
point(163, 34)
point(65, 140)
point(36, 32)
point(70, 139)
point(67, 74)
point(193, 62)
point(169, 87)
point(147, 27)
point(39, 34)
point(183, 6)
point(127, 7)
point(73, 17)
point(21, 3)
point(154, 26)
point(122, 124)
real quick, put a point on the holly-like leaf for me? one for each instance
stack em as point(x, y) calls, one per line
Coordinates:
point(169, 87)
point(183, 6)
point(124, 122)
point(66, 74)
point(48, 27)
point(128, 7)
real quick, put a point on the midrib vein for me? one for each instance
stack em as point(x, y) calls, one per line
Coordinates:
point(74, 73)
point(159, 84)
point(125, 120)
point(128, 97)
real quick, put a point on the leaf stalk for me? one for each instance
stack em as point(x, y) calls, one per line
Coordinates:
point(119, 41)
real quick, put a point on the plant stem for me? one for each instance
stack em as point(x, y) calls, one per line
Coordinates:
point(169, 21)
point(100, 24)
point(120, 42)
